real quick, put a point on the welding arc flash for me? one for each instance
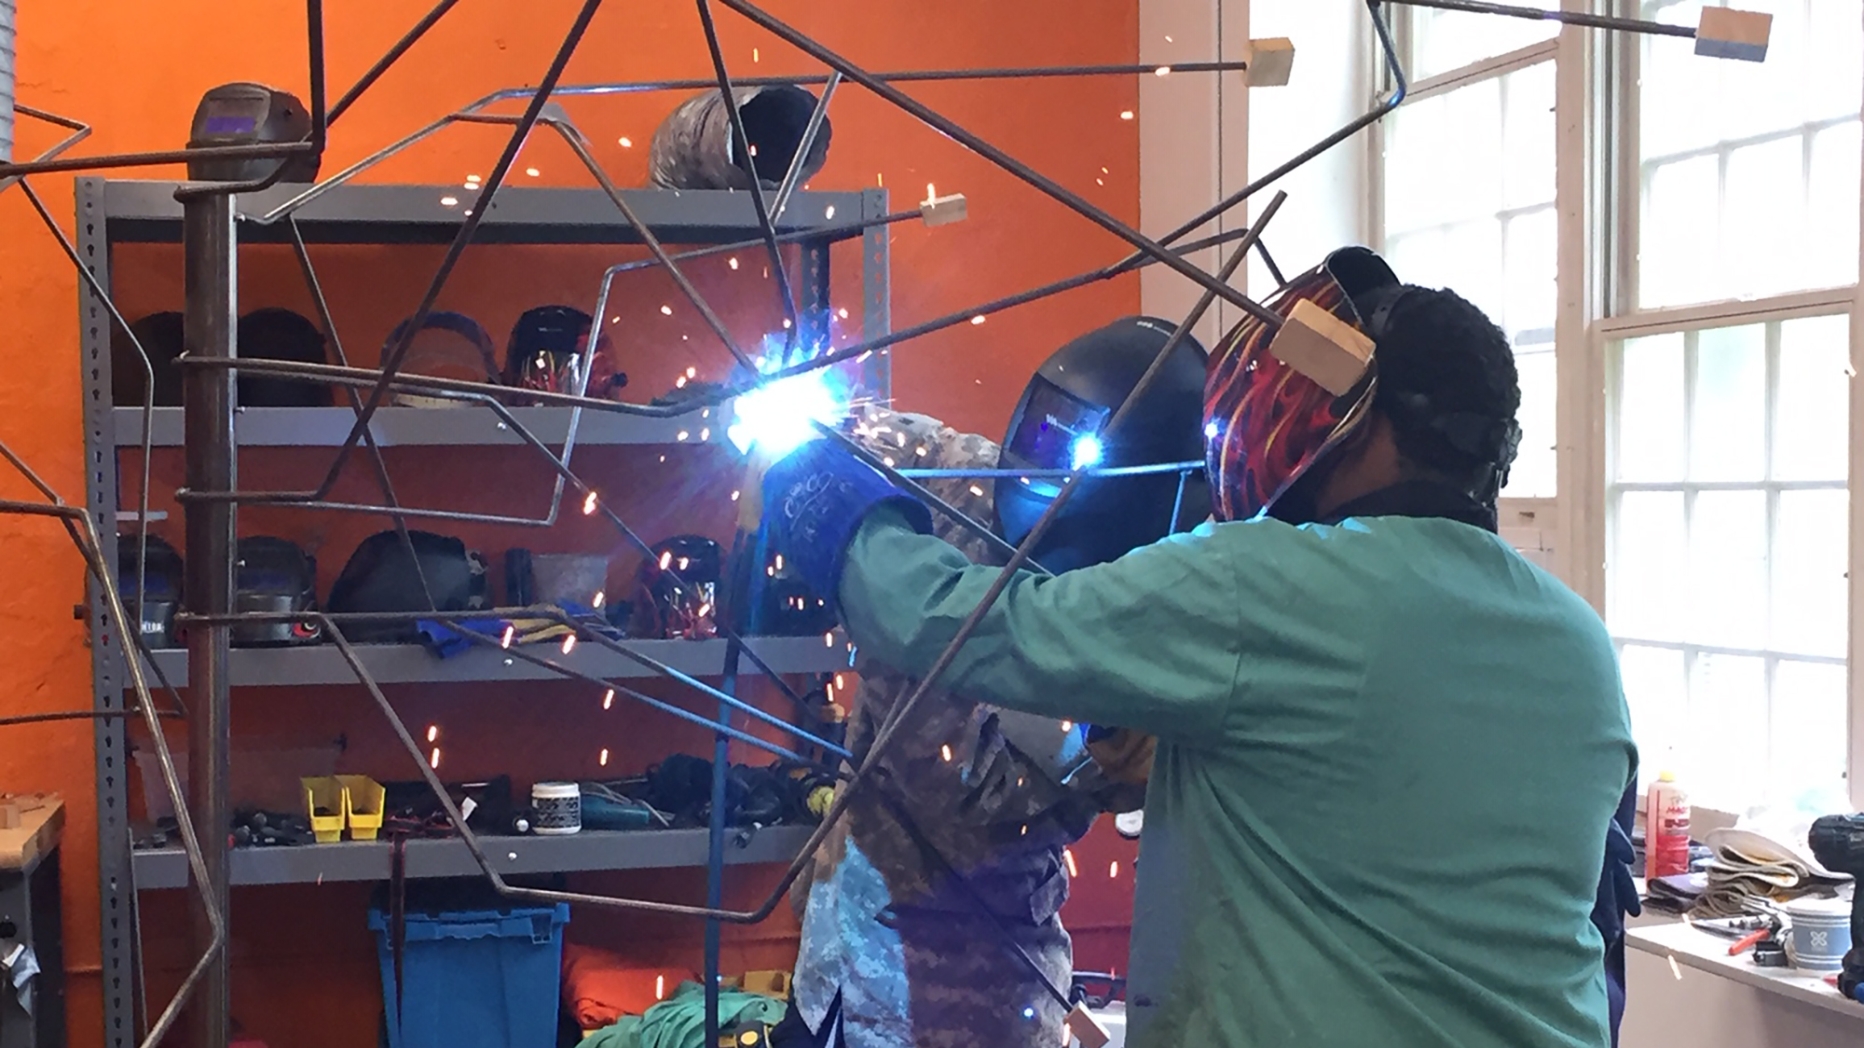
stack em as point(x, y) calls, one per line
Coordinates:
point(1086, 452)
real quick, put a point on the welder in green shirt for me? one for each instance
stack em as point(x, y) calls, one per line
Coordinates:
point(1387, 743)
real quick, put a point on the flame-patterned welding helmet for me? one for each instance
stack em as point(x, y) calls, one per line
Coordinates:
point(1265, 423)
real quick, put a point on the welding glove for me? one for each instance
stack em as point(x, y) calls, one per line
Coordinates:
point(815, 499)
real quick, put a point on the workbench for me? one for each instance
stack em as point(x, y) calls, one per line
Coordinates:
point(1682, 988)
point(29, 917)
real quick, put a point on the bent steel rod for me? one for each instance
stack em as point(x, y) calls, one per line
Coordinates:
point(392, 360)
point(1049, 187)
point(83, 533)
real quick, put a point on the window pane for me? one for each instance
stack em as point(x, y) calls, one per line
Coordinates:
point(1740, 200)
point(1830, 257)
point(1529, 133)
point(1763, 219)
point(1727, 420)
point(1658, 694)
point(1727, 588)
point(1531, 257)
point(1808, 734)
point(1649, 567)
point(1727, 721)
point(1810, 426)
point(1648, 437)
point(1447, 40)
point(1810, 555)
point(1536, 464)
point(1678, 232)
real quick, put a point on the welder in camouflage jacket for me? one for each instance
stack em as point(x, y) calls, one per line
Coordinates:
point(970, 811)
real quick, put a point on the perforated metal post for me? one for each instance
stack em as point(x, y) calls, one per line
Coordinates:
point(209, 261)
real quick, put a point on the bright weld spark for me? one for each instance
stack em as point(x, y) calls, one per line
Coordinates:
point(603, 759)
point(705, 434)
point(433, 759)
point(779, 562)
point(666, 559)
point(754, 54)
point(1164, 70)
point(683, 435)
point(978, 319)
point(660, 987)
point(842, 313)
point(685, 562)
point(975, 490)
point(588, 504)
point(679, 383)
point(920, 451)
point(569, 643)
point(692, 372)
point(626, 142)
point(1067, 726)
point(1113, 868)
point(600, 599)
point(732, 262)
point(780, 417)
point(838, 683)
point(449, 201)
point(533, 172)
point(608, 700)
point(888, 459)
point(830, 212)
point(945, 752)
point(433, 732)
point(505, 641)
point(828, 639)
point(1126, 114)
point(666, 310)
point(472, 178)
point(734, 496)
point(1068, 854)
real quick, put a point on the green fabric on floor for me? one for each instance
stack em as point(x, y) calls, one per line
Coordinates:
point(679, 1021)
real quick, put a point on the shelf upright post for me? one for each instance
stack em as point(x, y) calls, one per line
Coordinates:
point(876, 296)
point(209, 247)
point(110, 640)
point(715, 850)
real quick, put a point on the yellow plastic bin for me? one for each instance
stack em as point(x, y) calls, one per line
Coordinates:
point(363, 801)
point(324, 804)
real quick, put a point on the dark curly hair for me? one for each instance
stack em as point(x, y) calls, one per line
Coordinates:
point(1447, 382)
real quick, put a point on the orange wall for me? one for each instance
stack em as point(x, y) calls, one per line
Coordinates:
point(135, 71)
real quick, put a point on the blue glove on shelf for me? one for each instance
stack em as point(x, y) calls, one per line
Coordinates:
point(815, 500)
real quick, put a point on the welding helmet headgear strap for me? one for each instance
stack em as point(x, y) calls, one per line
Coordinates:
point(1266, 423)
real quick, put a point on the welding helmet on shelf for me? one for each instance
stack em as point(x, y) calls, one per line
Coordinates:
point(676, 591)
point(1059, 423)
point(545, 353)
point(160, 335)
point(381, 577)
point(274, 575)
point(448, 345)
point(1265, 423)
point(280, 334)
point(162, 577)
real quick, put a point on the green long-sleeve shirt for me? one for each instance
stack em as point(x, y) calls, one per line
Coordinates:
point(1386, 752)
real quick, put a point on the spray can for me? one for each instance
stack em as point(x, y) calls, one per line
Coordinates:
point(1666, 828)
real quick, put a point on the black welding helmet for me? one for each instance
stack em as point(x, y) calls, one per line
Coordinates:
point(280, 334)
point(545, 353)
point(273, 575)
point(381, 577)
point(161, 578)
point(160, 336)
point(1059, 425)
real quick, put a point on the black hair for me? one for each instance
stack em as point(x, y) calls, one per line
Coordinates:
point(1447, 382)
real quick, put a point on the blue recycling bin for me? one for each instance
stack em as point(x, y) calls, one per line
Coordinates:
point(474, 978)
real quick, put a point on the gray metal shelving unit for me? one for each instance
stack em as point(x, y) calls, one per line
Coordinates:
point(111, 212)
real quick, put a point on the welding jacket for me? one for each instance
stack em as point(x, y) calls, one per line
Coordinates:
point(907, 947)
point(1386, 747)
